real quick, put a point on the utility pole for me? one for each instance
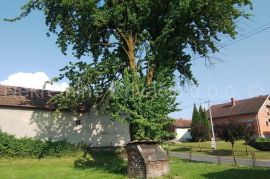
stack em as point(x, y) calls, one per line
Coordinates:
point(213, 139)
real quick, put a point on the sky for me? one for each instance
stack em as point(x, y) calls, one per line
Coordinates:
point(29, 58)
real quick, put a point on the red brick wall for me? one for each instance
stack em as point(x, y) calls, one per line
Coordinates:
point(157, 168)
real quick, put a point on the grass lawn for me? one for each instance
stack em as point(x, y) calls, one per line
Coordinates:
point(108, 166)
point(186, 170)
point(97, 165)
point(224, 149)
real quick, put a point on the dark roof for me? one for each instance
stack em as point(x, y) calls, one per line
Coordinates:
point(12, 96)
point(182, 123)
point(245, 106)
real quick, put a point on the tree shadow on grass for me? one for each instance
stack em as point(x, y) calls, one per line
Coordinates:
point(182, 149)
point(245, 173)
point(220, 152)
point(109, 161)
point(204, 151)
point(194, 161)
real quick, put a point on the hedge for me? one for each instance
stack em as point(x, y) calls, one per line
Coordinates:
point(262, 144)
point(10, 146)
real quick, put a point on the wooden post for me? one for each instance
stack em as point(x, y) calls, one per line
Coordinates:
point(190, 155)
point(253, 159)
point(218, 158)
point(168, 150)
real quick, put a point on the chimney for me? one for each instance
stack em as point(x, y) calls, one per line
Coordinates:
point(233, 101)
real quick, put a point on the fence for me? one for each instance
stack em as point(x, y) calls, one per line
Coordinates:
point(249, 158)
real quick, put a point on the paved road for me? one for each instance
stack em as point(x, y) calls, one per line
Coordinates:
point(227, 160)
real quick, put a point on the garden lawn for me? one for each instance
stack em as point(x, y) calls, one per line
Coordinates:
point(91, 165)
point(224, 149)
point(181, 169)
point(109, 166)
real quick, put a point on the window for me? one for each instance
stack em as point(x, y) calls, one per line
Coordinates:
point(267, 123)
point(249, 124)
point(268, 110)
point(78, 122)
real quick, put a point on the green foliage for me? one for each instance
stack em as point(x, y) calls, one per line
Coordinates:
point(232, 131)
point(27, 147)
point(145, 109)
point(147, 38)
point(263, 145)
point(195, 114)
point(167, 31)
point(262, 139)
point(200, 128)
point(260, 143)
point(205, 121)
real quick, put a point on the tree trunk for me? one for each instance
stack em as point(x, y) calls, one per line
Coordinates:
point(132, 132)
point(200, 145)
point(129, 47)
point(150, 73)
point(131, 54)
point(168, 150)
point(233, 154)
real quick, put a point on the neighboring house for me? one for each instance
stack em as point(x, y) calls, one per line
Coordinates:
point(253, 112)
point(27, 112)
point(182, 129)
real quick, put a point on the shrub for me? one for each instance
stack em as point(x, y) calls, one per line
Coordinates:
point(28, 147)
point(262, 144)
point(261, 139)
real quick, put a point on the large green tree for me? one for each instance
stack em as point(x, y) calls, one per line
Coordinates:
point(200, 125)
point(205, 121)
point(151, 41)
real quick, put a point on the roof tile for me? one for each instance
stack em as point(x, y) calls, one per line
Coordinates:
point(182, 123)
point(245, 106)
point(26, 97)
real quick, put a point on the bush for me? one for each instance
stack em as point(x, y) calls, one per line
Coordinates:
point(28, 147)
point(262, 144)
point(261, 139)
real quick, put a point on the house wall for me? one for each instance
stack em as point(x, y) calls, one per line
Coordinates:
point(264, 119)
point(249, 120)
point(96, 130)
point(183, 134)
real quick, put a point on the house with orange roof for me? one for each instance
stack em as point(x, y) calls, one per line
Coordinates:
point(254, 113)
point(182, 129)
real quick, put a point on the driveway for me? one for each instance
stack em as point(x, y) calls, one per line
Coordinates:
point(223, 160)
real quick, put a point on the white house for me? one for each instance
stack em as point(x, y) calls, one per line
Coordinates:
point(182, 129)
point(26, 112)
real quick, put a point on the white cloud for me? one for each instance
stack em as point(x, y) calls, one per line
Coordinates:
point(33, 80)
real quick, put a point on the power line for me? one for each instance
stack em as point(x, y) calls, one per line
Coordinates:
point(254, 30)
point(245, 36)
point(226, 45)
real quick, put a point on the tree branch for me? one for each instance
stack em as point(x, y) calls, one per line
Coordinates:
point(121, 34)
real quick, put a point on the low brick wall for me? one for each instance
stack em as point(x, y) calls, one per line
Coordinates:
point(157, 168)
